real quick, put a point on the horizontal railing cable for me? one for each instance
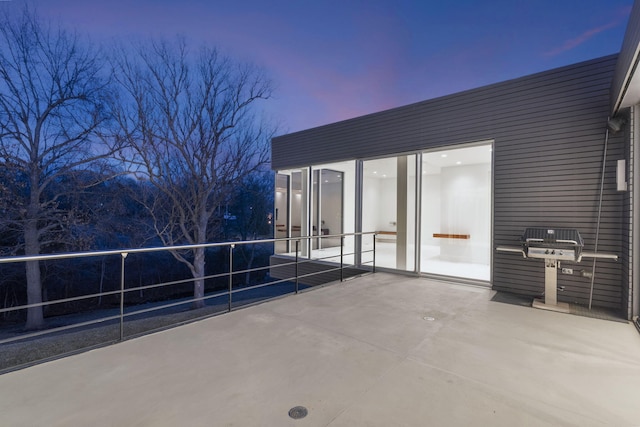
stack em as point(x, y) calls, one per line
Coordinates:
point(239, 288)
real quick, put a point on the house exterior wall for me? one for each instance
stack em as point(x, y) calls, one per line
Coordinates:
point(628, 229)
point(548, 131)
point(634, 180)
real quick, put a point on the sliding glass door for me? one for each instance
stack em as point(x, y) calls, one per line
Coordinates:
point(328, 211)
point(389, 209)
point(441, 199)
point(316, 201)
point(291, 208)
point(456, 212)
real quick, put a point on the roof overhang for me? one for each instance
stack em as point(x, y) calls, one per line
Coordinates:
point(625, 88)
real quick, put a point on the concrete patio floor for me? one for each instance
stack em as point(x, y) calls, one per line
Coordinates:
point(380, 350)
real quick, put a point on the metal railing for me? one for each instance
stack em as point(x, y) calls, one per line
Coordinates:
point(303, 245)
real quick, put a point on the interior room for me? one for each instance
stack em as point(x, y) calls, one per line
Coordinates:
point(454, 215)
point(456, 212)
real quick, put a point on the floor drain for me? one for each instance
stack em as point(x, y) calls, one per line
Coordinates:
point(298, 412)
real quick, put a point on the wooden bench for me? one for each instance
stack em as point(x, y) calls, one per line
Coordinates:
point(451, 236)
point(386, 236)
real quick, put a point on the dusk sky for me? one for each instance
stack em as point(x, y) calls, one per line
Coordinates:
point(337, 59)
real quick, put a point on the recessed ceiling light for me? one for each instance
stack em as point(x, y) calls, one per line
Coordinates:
point(443, 155)
point(458, 163)
point(384, 175)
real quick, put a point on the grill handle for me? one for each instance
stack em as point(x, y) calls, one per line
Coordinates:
point(517, 249)
point(572, 242)
point(598, 255)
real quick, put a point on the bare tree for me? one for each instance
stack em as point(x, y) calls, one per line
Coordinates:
point(52, 94)
point(252, 207)
point(190, 120)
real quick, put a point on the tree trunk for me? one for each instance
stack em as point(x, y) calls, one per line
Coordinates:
point(102, 272)
point(198, 276)
point(247, 277)
point(35, 317)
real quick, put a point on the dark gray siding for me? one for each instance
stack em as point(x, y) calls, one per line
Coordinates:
point(548, 131)
point(628, 58)
point(627, 234)
point(506, 109)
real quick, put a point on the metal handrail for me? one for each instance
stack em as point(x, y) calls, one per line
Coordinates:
point(123, 253)
point(86, 254)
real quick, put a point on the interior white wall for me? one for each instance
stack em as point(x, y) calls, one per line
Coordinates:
point(386, 204)
point(411, 214)
point(281, 206)
point(379, 204)
point(431, 208)
point(296, 209)
point(369, 200)
point(465, 209)
point(350, 198)
point(331, 207)
point(349, 202)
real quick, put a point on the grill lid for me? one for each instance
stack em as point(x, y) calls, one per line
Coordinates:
point(552, 237)
point(552, 244)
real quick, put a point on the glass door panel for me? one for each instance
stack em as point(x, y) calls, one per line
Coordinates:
point(456, 212)
point(291, 206)
point(282, 224)
point(328, 211)
point(331, 200)
point(389, 209)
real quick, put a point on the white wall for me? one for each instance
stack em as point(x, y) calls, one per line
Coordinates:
point(465, 209)
point(332, 207)
point(379, 204)
point(431, 208)
point(386, 205)
point(350, 198)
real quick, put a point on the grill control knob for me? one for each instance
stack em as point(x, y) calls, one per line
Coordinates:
point(546, 252)
point(553, 252)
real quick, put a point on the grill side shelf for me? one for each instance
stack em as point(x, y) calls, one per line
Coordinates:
point(517, 249)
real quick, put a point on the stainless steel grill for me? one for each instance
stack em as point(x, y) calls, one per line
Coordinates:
point(553, 245)
point(563, 244)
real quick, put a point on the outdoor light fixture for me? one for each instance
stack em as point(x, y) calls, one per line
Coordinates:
point(616, 124)
point(621, 175)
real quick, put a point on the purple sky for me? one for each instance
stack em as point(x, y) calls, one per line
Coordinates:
point(336, 59)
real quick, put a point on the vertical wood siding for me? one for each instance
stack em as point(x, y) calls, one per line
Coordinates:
point(548, 131)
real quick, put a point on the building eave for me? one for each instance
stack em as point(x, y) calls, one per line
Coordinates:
point(625, 88)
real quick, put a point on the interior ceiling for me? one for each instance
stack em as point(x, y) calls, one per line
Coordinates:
point(433, 162)
point(330, 176)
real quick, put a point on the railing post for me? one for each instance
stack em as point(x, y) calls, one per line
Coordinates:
point(297, 248)
point(123, 255)
point(231, 247)
point(341, 258)
point(374, 252)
